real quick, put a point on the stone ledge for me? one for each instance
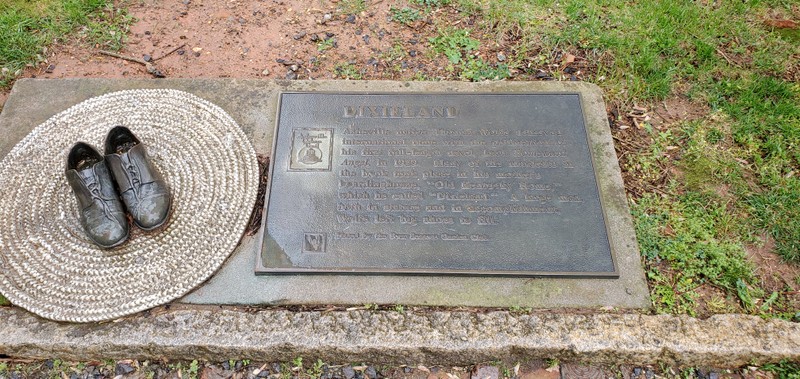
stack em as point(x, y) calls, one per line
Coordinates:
point(428, 337)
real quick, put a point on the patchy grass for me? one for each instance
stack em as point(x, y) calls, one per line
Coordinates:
point(455, 44)
point(348, 71)
point(4, 301)
point(326, 44)
point(431, 3)
point(405, 15)
point(476, 69)
point(352, 6)
point(706, 186)
point(27, 28)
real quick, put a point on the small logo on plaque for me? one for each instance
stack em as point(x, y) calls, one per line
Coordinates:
point(314, 242)
point(311, 149)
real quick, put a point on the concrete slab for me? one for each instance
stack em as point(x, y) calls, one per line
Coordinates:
point(253, 104)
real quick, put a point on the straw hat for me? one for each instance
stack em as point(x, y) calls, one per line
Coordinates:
point(50, 267)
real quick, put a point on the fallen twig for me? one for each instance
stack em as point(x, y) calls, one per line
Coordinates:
point(127, 58)
point(732, 63)
point(170, 52)
point(151, 68)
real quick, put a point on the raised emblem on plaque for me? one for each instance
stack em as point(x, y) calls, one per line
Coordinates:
point(314, 243)
point(440, 184)
point(311, 149)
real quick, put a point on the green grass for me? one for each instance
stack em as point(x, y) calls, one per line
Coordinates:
point(455, 44)
point(4, 301)
point(405, 15)
point(784, 369)
point(431, 3)
point(732, 174)
point(476, 69)
point(347, 71)
point(352, 6)
point(27, 27)
point(325, 45)
point(686, 244)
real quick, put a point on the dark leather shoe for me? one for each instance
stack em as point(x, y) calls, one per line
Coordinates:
point(101, 213)
point(143, 190)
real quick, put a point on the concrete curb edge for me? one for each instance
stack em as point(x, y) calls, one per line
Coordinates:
point(413, 337)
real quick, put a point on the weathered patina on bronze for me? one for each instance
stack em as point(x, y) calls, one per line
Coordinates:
point(475, 184)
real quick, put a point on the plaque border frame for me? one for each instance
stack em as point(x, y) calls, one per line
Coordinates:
point(260, 269)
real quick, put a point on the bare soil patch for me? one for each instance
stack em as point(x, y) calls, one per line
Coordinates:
point(286, 39)
point(774, 272)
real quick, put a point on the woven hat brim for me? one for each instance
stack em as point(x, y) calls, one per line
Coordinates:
point(47, 263)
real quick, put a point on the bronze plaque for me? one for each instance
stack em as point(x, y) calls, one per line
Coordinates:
point(475, 184)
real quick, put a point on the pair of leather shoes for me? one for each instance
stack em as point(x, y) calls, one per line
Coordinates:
point(124, 173)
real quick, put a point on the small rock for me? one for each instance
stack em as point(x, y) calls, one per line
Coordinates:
point(485, 372)
point(291, 75)
point(371, 372)
point(501, 57)
point(570, 70)
point(263, 374)
point(351, 19)
point(649, 374)
point(407, 370)
point(186, 2)
point(49, 364)
point(123, 369)
point(50, 68)
point(147, 58)
point(382, 33)
point(181, 52)
point(326, 17)
point(372, 62)
point(265, 72)
point(412, 53)
point(299, 35)
point(294, 67)
point(314, 38)
point(197, 49)
point(636, 372)
point(403, 65)
point(359, 32)
point(413, 41)
point(238, 365)
point(147, 32)
point(365, 37)
point(226, 366)
point(348, 372)
point(196, 53)
point(276, 368)
point(573, 78)
point(329, 35)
